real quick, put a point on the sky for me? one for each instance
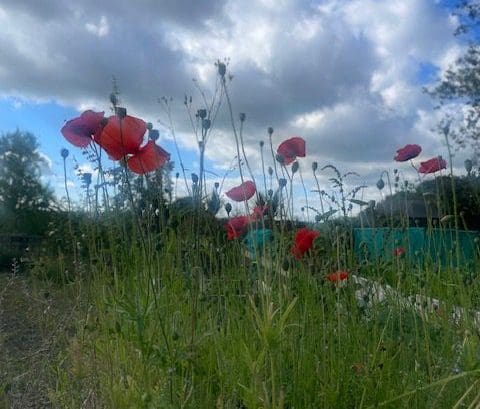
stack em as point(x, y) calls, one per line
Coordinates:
point(346, 75)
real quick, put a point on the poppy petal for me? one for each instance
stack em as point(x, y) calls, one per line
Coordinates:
point(291, 148)
point(303, 241)
point(148, 158)
point(242, 192)
point(337, 276)
point(407, 152)
point(79, 131)
point(122, 136)
point(432, 165)
point(236, 226)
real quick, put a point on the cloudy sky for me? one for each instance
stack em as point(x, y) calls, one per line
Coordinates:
point(346, 75)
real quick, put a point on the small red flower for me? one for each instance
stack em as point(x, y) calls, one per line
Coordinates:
point(291, 148)
point(242, 192)
point(236, 226)
point(82, 130)
point(407, 152)
point(303, 242)
point(399, 251)
point(258, 212)
point(337, 276)
point(433, 165)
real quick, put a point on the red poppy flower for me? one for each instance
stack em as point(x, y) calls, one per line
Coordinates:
point(236, 226)
point(432, 165)
point(291, 148)
point(81, 131)
point(242, 192)
point(148, 158)
point(303, 241)
point(122, 136)
point(407, 152)
point(258, 212)
point(398, 251)
point(337, 276)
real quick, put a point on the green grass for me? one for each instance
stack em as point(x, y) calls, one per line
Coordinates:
point(202, 326)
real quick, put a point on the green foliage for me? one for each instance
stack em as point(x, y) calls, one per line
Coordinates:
point(461, 82)
point(25, 202)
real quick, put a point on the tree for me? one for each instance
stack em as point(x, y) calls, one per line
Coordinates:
point(460, 86)
point(24, 200)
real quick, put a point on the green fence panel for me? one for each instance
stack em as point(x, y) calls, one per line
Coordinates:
point(434, 245)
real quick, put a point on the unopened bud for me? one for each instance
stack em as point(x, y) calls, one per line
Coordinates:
point(295, 167)
point(64, 152)
point(202, 113)
point(121, 112)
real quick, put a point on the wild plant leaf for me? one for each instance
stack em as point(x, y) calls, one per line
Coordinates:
point(331, 212)
point(334, 169)
point(359, 202)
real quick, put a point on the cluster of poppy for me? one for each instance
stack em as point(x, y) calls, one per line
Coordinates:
point(236, 227)
point(121, 136)
point(287, 152)
point(411, 151)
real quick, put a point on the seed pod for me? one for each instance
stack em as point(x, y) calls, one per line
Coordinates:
point(121, 112)
point(295, 167)
point(202, 113)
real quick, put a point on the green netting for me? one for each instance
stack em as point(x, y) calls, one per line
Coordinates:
point(420, 244)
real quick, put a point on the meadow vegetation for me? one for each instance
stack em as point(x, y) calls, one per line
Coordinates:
point(171, 306)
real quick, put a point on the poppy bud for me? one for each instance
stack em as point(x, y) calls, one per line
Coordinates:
point(280, 158)
point(121, 112)
point(228, 208)
point(318, 218)
point(242, 116)
point(282, 182)
point(153, 134)
point(222, 69)
point(468, 165)
point(206, 124)
point(270, 193)
point(295, 167)
point(149, 126)
point(194, 178)
point(64, 152)
point(285, 264)
point(202, 113)
point(113, 98)
point(395, 171)
point(314, 166)
point(380, 184)
point(302, 209)
point(270, 130)
point(216, 185)
point(270, 171)
point(177, 175)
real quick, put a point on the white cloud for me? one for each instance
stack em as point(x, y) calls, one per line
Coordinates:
point(344, 74)
point(101, 29)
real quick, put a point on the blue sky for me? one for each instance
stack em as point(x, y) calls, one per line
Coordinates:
point(346, 75)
